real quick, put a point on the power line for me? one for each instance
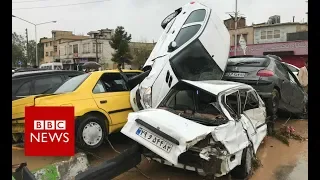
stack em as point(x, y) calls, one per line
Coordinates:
point(62, 5)
point(28, 1)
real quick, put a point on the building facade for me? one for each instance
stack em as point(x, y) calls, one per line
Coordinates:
point(75, 53)
point(51, 45)
point(95, 48)
point(286, 40)
point(272, 33)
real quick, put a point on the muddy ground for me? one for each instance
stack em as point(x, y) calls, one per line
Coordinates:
point(279, 161)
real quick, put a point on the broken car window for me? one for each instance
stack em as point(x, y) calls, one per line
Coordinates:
point(232, 104)
point(186, 34)
point(193, 104)
point(252, 101)
point(195, 66)
point(196, 16)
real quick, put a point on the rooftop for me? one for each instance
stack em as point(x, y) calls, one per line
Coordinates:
point(278, 24)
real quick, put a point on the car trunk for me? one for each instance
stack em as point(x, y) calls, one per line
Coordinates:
point(164, 133)
point(245, 70)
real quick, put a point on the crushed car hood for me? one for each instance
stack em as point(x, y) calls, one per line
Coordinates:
point(187, 133)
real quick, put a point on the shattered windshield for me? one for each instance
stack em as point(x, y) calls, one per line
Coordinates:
point(193, 104)
point(195, 66)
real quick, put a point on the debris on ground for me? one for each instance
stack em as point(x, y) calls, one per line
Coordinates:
point(256, 163)
point(285, 133)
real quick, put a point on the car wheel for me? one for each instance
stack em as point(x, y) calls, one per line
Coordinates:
point(243, 170)
point(91, 132)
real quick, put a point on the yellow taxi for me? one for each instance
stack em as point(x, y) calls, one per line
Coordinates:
point(101, 102)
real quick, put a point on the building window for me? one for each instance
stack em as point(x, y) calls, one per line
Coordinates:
point(50, 43)
point(94, 47)
point(47, 54)
point(46, 44)
point(75, 48)
point(51, 53)
point(99, 48)
point(70, 50)
point(65, 50)
point(263, 35)
point(85, 48)
point(276, 34)
point(55, 48)
point(269, 34)
point(60, 41)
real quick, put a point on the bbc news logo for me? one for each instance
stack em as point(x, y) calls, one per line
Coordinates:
point(48, 136)
point(49, 131)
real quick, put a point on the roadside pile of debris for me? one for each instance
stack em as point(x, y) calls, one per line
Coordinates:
point(287, 132)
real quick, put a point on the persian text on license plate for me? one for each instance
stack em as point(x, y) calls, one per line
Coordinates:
point(154, 139)
point(231, 74)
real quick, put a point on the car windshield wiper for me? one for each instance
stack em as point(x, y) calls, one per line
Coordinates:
point(248, 62)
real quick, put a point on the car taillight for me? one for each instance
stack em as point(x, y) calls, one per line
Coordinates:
point(192, 2)
point(265, 73)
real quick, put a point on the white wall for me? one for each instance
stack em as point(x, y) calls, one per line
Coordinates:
point(284, 29)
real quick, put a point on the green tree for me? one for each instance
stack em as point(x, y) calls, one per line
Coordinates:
point(141, 54)
point(18, 50)
point(120, 43)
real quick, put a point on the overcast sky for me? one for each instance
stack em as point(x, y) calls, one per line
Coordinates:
point(141, 18)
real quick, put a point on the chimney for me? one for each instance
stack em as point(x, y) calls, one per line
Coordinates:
point(293, 19)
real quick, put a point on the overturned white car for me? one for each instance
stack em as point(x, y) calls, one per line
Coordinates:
point(212, 127)
point(194, 46)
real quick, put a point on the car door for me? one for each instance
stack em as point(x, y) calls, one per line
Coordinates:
point(286, 91)
point(255, 115)
point(297, 100)
point(46, 84)
point(112, 96)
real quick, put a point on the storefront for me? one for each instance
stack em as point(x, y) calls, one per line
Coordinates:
point(67, 64)
point(294, 52)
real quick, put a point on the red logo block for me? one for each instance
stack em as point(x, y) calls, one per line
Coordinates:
point(49, 131)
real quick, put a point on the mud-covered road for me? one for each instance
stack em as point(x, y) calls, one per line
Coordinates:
point(279, 161)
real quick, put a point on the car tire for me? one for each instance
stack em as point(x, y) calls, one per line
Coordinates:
point(244, 170)
point(91, 132)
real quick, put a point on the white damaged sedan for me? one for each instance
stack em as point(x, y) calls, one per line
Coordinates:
point(211, 127)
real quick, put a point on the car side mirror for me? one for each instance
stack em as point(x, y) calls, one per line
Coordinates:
point(172, 46)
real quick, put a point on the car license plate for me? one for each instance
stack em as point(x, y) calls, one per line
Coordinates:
point(233, 74)
point(154, 139)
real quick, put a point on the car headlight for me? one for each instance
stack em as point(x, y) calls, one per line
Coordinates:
point(146, 96)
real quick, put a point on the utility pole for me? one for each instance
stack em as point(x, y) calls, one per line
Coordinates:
point(236, 19)
point(27, 44)
point(97, 58)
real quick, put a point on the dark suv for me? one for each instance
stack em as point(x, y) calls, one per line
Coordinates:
point(39, 82)
point(274, 82)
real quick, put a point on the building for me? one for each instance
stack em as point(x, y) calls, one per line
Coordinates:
point(51, 45)
point(287, 40)
point(242, 29)
point(77, 52)
point(272, 33)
